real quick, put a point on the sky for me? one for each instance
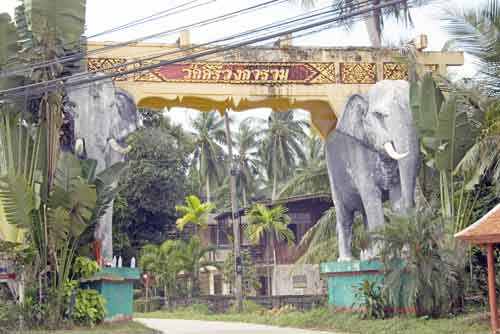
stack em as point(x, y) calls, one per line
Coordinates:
point(105, 14)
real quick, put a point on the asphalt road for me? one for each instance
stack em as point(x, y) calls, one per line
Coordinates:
point(173, 326)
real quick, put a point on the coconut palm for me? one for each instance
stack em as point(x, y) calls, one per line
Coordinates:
point(477, 31)
point(246, 140)
point(208, 154)
point(163, 263)
point(271, 223)
point(194, 212)
point(311, 175)
point(281, 146)
point(374, 22)
point(193, 257)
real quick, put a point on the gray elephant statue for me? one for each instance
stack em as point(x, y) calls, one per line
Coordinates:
point(372, 156)
point(104, 116)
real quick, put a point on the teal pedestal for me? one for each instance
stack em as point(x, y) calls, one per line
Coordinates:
point(344, 278)
point(116, 286)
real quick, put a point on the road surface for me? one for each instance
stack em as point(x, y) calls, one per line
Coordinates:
point(174, 326)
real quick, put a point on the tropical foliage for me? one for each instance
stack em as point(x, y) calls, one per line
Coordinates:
point(281, 147)
point(424, 270)
point(270, 223)
point(194, 212)
point(208, 154)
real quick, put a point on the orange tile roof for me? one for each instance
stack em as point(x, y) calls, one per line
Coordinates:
point(485, 231)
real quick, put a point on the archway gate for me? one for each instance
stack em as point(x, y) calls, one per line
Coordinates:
point(316, 79)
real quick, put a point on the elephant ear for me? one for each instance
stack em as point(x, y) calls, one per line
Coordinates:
point(352, 118)
point(357, 104)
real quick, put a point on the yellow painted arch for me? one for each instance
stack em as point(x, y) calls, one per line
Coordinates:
point(323, 117)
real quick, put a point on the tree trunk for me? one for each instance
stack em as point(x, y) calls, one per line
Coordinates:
point(275, 178)
point(372, 24)
point(244, 197)
point(238, 282)
point(208, 188)
point(275, 264)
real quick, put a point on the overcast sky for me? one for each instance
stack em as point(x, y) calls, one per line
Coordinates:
point(105, 14)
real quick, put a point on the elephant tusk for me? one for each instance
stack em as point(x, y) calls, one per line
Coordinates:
point(117, 148)
point(80, 147)
point(391, 151)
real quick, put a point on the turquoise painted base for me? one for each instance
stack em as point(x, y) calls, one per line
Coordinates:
point(345, 277)
point(116, 286)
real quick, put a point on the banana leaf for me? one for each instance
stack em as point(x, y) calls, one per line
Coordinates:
point(64, 17)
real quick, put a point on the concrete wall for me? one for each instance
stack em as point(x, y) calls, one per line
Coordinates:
point(297, 280)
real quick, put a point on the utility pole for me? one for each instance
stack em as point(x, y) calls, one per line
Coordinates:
point(238, 263)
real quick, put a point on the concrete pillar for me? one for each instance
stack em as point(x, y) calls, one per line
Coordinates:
point(211, 283)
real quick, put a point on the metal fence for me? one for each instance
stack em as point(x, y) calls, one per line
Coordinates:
point(220, 304)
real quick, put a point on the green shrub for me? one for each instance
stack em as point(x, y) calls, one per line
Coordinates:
point(249, 306)
point(89, 307)
point(198, 309)
point(154, 304)
point(8, 317)
point(85, 267)
point(371, 303)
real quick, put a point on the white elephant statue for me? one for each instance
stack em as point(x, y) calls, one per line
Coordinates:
point(372, 156)
point(103, 118)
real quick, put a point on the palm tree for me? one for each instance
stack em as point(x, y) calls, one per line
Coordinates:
point(477, 31)
point(247, 159)
point(163, 263)
point(193, 257)
point(270, 222)
point(194, 212)
point(281, 146)
point(208, 154)
point(375, 22)
point(311, 175)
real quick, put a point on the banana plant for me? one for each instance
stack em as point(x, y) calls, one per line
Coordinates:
point(441, 125)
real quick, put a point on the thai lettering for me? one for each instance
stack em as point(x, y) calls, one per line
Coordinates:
point(261, 75)
point(279, 75)
point(211, 71)
point(192, 73)
point(227, 74)
point(242, 75)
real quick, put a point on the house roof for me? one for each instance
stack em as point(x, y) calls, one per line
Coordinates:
point(291, 199)
point(485, 231)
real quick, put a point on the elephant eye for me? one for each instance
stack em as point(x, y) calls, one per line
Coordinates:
point(379, 114)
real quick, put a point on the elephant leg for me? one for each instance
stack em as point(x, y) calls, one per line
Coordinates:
point(374, 211)
point(396, 198)
point(344, 232)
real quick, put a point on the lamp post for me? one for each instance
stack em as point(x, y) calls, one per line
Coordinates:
point(238, 283)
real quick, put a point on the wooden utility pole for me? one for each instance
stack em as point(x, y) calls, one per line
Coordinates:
point(238, 263)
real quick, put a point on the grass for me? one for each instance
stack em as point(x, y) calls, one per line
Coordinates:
point(326, 320)
point(118, 328)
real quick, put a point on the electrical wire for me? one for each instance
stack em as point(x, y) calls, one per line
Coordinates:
point(80, 55)
point(58, 83)
point(64, 59)
point(308, 15)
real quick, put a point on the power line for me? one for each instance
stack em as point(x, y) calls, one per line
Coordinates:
point(80, 55)
point(44, 86)
point(225, 39)
point(62, 60)
point(150, 18)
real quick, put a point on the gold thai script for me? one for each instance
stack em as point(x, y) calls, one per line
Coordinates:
point(216, 72)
